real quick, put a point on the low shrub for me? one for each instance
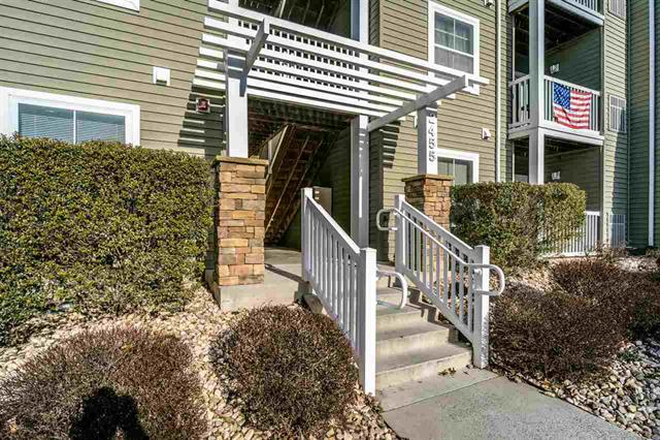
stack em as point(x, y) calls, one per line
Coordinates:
point(520, 222)
point(577, 324)
point(121, 382)
point(98, 227)
point(554, 332)
point(292, 371)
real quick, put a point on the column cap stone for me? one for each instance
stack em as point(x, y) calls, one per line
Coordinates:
point(241, 160)
point(442, 177)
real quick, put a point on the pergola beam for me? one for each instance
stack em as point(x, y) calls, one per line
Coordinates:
point(423, 101)
point(257, 44)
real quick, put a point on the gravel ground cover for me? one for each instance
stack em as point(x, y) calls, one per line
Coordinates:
point(627, 394)
point(198, 325)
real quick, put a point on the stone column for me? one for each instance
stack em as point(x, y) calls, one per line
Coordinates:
point(240, 224)
point(430, 193)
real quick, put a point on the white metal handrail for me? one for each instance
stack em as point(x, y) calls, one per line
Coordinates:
point(452, 275)
point(343, 277)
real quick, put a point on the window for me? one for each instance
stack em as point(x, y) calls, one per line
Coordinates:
point(462, 166)
point(129, 4)
point(618, 115)
point(618, 8)
point(67, 118)
point(453, 39)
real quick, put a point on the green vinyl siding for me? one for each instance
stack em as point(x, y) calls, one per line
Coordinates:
point(581, 168)
point(615, 157)
point(404, 28)
point(638, 105)
point(91, 49)
point(579, 60)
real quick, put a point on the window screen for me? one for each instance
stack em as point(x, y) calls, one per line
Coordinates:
point(618, 114)
point(454, 43)
point(69, 125)
point(618, 8)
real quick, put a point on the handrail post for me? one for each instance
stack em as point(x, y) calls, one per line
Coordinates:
point(481, 305)
point(305, 194)
point(400, 251)
point(367, 317)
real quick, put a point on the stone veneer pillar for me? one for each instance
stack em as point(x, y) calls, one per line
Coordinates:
point(430, 193)
point(240, 221)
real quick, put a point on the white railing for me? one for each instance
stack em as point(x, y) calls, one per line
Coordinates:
point(520, 106)
point(519, 102)
point(586, 240)
point(343, 277)
point(452, 275)
point(593, 5)
point(594, 114)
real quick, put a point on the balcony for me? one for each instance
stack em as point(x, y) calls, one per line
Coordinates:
point(520, 106)
point(589, 10)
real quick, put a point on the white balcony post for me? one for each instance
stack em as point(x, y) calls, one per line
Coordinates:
point(400, 250)
point(367, 317)
point(537, 157)
point(236, 100)
point(536, 60)
point(481, 305)
point(360, 140)
point(305, 194)
point(427, 140)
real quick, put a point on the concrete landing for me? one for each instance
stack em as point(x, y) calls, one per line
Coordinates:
point(490, 408)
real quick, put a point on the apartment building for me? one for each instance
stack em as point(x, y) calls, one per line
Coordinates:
point(554, 90)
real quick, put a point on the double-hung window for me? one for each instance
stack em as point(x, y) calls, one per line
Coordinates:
point(453, 39)
point(67, 118)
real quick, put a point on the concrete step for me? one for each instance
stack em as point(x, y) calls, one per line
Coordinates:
point(390, 317)
point(415, 365)
point(418, 336)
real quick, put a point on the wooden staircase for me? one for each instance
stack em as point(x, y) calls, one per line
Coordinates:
point(301, 154)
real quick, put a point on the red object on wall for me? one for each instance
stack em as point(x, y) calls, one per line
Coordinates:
point(203, 105)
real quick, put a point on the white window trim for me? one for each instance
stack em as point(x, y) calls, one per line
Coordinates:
point(625, 114)
point(10, 98)
point(444, 153)
point(435, 7)
point(128, 4)
point(616, 13)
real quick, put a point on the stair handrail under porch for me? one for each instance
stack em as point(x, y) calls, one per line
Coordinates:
point(452, 275)
point(343, 277)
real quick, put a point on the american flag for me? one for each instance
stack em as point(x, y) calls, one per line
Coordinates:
point(572, 108)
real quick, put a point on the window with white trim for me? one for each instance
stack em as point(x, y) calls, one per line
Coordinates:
point(618, 8)
point(618, 114)
point(128, 4)
point(453, 39)
point(461, 165)
point(67, 118)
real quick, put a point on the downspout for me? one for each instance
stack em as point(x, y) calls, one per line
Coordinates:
point(652, 122)
point(498, 91)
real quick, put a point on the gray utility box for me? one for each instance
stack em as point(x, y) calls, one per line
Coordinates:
point(323, 196)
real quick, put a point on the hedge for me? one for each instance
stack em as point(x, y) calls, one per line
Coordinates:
point(98, 227)
point(519, 221)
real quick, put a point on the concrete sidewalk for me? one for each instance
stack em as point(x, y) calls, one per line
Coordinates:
point(474, 405)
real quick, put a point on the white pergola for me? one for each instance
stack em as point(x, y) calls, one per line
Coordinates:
point(249, 54)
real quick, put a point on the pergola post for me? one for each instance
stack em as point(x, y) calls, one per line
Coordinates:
point(360, 140)
point(236, 101)
point(427, 140)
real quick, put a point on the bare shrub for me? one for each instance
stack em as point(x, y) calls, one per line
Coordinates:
point(292, 371)
point(122, 382)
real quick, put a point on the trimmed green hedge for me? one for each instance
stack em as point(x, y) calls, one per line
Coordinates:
point(98, 227)
point(517, 220)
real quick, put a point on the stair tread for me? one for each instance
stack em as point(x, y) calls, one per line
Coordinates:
point(417, 328)
point(416, 357)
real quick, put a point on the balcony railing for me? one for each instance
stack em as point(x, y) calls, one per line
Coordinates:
point(520, 108)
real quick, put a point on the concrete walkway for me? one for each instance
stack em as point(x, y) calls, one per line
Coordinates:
point(478, 405)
